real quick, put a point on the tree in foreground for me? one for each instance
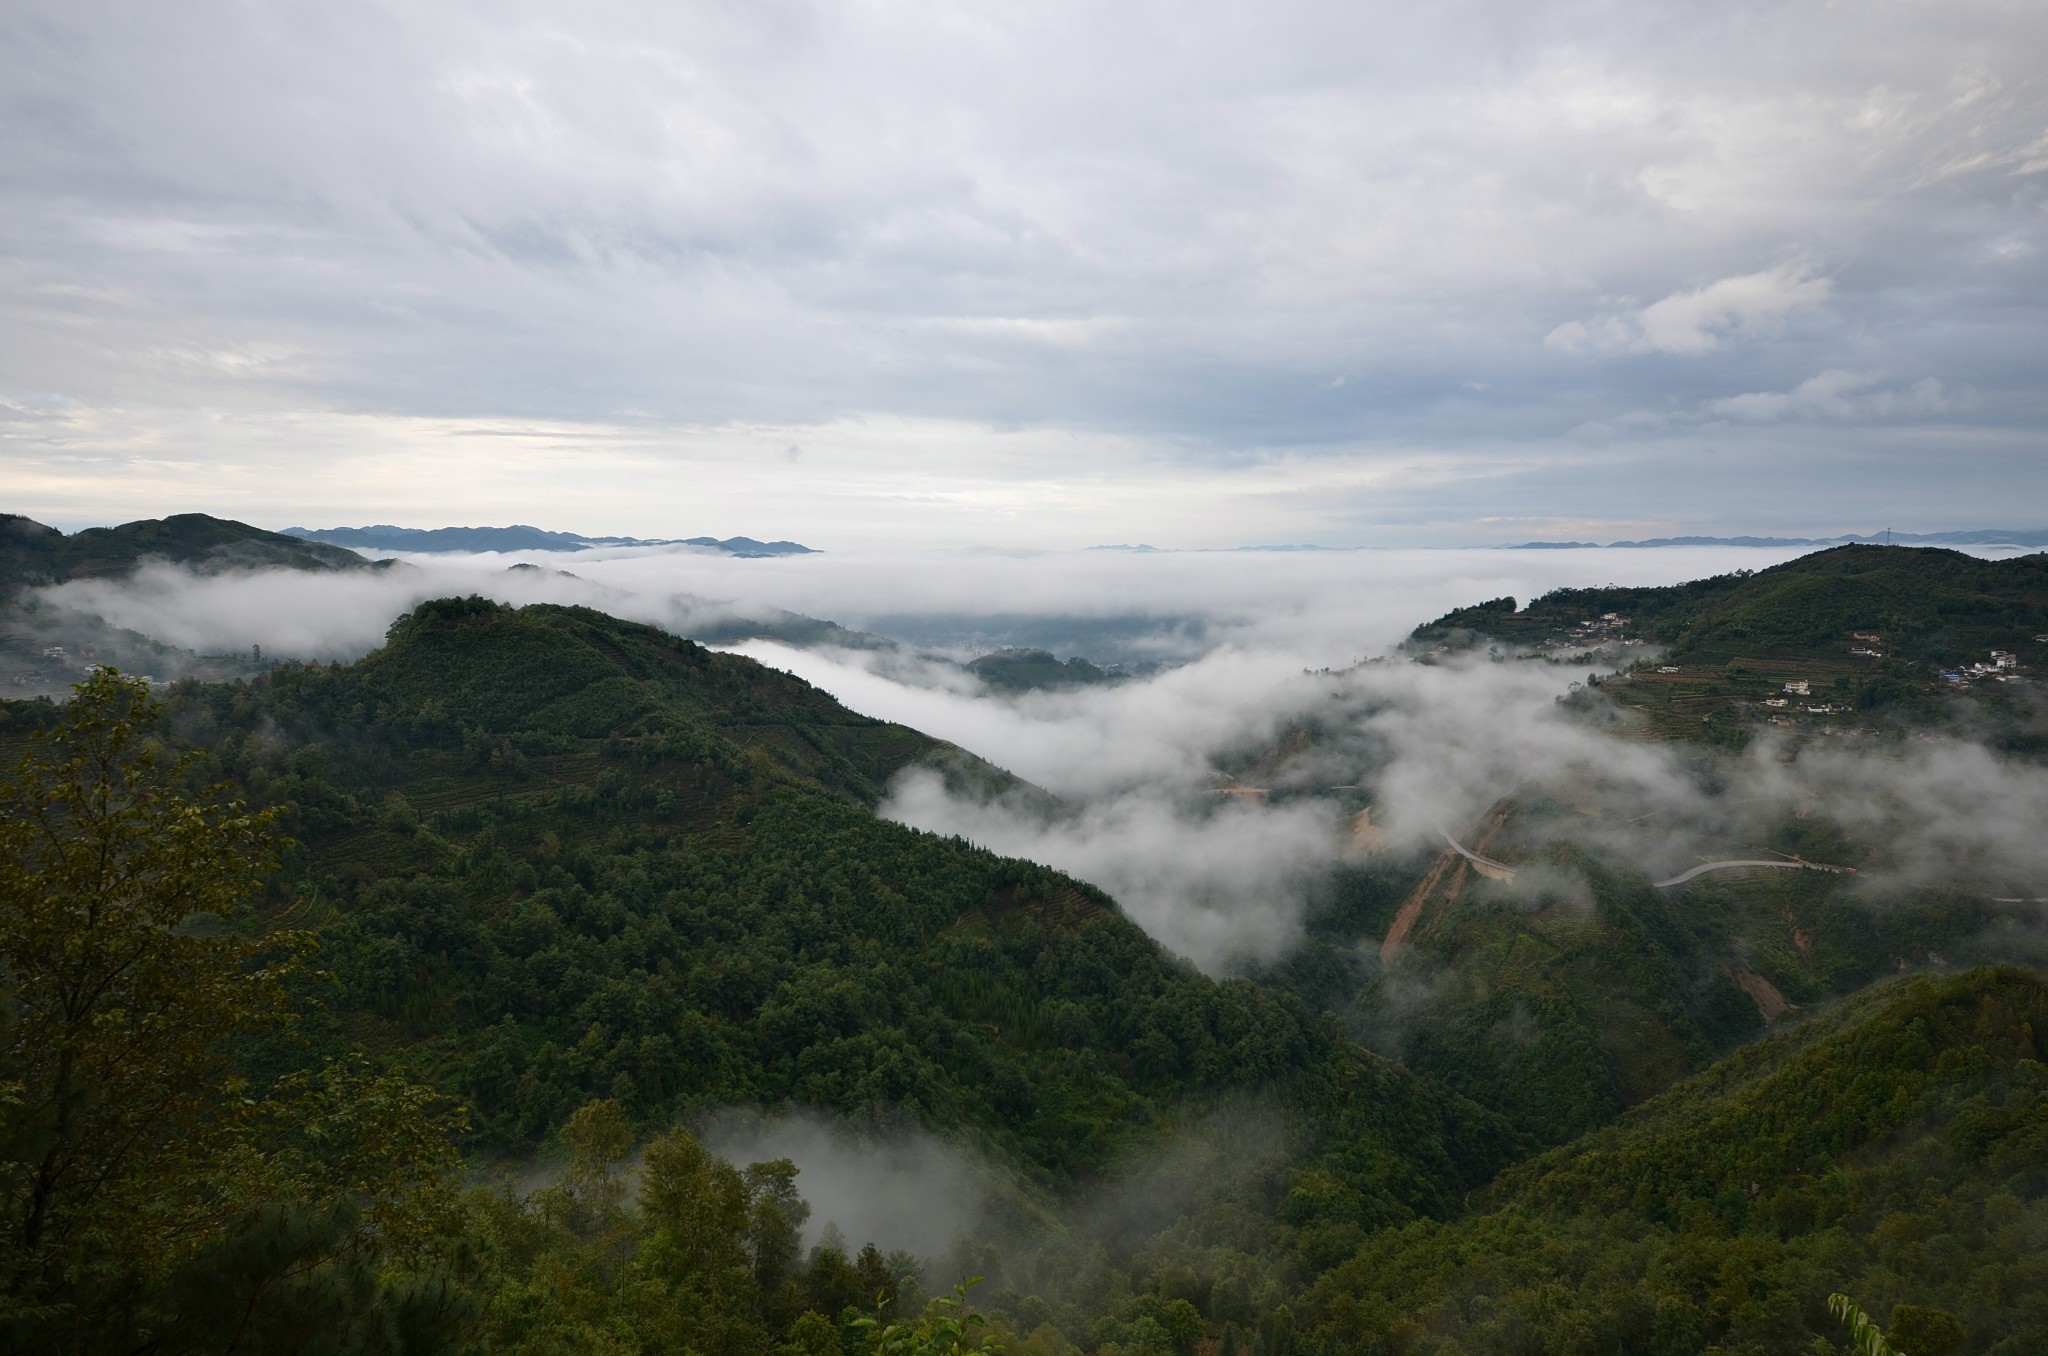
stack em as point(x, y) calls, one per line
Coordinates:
point(155, 1193)
point(947, 1327)
point(1917, 1329)
point(1864, 1334)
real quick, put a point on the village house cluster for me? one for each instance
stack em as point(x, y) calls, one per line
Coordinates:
point(1594, 632)
point(2002, 667)
point(47, 670)
point(1791, 692)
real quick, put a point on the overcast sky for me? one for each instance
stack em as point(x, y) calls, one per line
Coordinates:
point(1046, 274)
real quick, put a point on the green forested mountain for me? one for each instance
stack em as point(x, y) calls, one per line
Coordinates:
point(45, 645)
point(32, 554)
point(1562, 1010)
point(557, 856)
point(562, 884)
point(1896, 1150)
point(1865, 633)
point(1030, 670)
point(1928, 605)
point(548, 858)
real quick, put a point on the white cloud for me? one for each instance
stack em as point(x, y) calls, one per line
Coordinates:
point(1835, 394)
point(1258, 615)
point(1750, 306)
point(1219, 884)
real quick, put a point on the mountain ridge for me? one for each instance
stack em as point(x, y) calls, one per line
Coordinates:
point(1932, 604)
point(32, 553)
point(1993, 536)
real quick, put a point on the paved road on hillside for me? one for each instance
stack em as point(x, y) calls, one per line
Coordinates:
point(1486, 865)
point(1705, 867)
point(1505, 872)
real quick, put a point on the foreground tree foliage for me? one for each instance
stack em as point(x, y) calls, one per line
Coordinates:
point(1866, 1336)
point(161, 1191)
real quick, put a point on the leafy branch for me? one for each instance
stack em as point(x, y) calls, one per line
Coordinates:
point(1866, 1335)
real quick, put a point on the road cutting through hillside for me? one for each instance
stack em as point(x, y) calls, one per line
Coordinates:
point(1486, 866)
point(1462, 857)
point(1794, 865)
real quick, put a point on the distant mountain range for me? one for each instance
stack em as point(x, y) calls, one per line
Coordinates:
point(519, 537)
point(1983, 537)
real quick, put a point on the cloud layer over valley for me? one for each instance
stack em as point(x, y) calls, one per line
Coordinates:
point(1307, 607)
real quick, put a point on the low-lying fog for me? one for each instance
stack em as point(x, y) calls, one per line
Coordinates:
point(1253, 648)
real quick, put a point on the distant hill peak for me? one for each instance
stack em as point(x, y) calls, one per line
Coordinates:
point(32, 553)
point(1023, 670)
point(521, 537)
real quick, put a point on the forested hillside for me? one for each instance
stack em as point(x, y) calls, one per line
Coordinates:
point(1034, 670)
point(1928, 605)
point(1896, 1150)
point(1869, 638)
point(560, 886)
point(550, 858)
point(45, 645)
point(1562, 1010)
point(32, 554)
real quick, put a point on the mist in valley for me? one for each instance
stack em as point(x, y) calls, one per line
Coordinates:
point(901, 1189)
